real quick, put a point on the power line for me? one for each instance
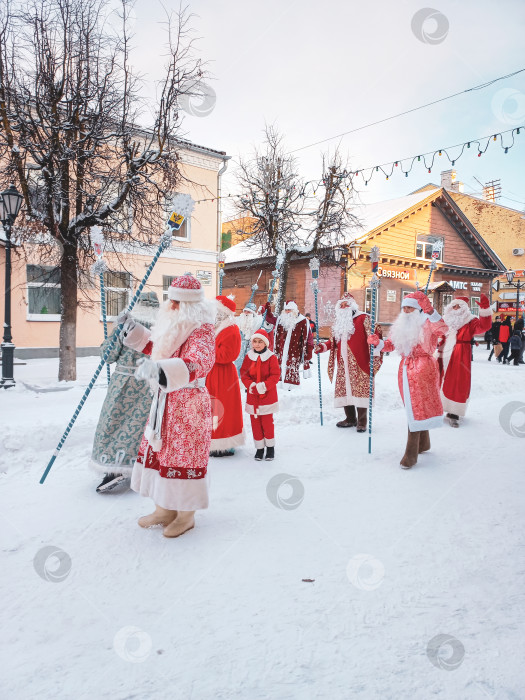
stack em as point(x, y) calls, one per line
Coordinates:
point(409, 111)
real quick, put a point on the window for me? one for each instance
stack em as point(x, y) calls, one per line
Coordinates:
point(275, 286)
point(424, 246)
point(117, 286)
point(43, 293)
point(166, 281)
point(368, 302)
point(183, 234)
point(474, 308)
point(447, 298)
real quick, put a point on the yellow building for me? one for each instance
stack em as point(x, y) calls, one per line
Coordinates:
point(236, 230)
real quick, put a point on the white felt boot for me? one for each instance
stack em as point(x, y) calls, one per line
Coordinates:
point(160, 516)
point(184, 521)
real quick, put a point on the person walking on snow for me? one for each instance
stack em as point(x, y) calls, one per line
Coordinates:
point(171, 466)
point(516, 347)
point(414, 334)
point(125, 409)
point(223, 383)
point(454, 353)
point(294, 345)
point(248, 321)
point(260, 374)
point(349, 344)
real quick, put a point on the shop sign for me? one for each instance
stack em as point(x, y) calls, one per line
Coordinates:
point(204, 277)
point(393, 273)
point(457, 284)
point(507, 305)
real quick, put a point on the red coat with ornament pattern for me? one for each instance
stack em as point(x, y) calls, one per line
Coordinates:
point(298, 352)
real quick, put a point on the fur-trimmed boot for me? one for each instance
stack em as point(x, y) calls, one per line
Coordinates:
point(361, 420)
point(424, 441)
point(184, 521)
point(453, 420)
point(411, 451)
point(350, 421)
point(161, 516)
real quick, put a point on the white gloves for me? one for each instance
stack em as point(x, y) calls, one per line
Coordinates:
point(261, 387)
point(148, 371)
point(125, 318)
point(252, 387)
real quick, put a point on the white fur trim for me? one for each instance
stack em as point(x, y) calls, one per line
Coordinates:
point(262, 410)
point(138, 338)
point(307, 373)
point(259, 444)
point(484, 312)
point(449, 406)
point(177, 374)
point(263, 355)
point(173, 494)
point(178, 294)
point(227, 443)
point(434, 317)
point(291, 305)
point(270, 442)
point(410, 301)
point(261, 337)
point(357, 401)
point(378, 348)
point(108, 468)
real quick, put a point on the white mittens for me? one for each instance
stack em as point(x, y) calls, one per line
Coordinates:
point(148, 371)
point(261, 387)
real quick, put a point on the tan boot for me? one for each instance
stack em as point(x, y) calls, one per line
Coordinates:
point(350, 421)
point(424, 441)
point(183, 522)
point(161, 516)
point(361, 420)
point(412, 449)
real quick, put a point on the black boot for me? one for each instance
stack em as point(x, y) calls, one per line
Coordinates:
point(112, 481)
point(259, 454)
point(350, 421)
point(270, 454)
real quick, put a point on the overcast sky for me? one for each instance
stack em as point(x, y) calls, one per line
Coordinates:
point(317, 69)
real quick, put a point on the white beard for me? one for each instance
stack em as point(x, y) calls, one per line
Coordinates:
point(222, 315)
point(248, 324)
point(288, 321)
point(456, 319)
point(173, 327)
point(406, 331)
point(344, 322)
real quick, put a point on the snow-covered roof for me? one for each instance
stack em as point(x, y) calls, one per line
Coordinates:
point(370, 215)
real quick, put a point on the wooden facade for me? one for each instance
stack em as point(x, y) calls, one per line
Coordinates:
point(468, 265)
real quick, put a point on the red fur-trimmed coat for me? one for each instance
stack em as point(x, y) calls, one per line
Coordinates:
point(454, 353)
point(261, 369)
point(223, 384)
point(299, 351)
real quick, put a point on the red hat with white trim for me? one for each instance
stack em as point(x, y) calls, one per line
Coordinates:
point(465, 299)
point(291, 306)
point(412, 300)
point(262, 335)
point(186, 288)
point(227, 302)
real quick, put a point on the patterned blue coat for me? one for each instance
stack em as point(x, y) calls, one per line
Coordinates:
point(124, 413)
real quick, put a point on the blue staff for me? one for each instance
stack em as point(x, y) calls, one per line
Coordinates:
point(374, 284)
point(436, 251)
point(165, 243)
point(97, 238)
point(314, 267)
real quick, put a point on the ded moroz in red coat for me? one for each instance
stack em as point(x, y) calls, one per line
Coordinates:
point(455, 360)
point(293, 348)
point(223, 385)
point(256, 368)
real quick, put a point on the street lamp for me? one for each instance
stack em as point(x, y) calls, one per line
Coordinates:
point(519, 285)
point(10, 203)
point(341, 252)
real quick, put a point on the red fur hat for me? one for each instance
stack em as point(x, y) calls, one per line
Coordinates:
point(263, 335)
point(186, 288)
point(227, 303)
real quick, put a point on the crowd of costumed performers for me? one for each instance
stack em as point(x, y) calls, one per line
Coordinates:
point(175, 396)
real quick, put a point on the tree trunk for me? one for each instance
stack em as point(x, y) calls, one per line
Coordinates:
point(67, 369)
point(283, 281)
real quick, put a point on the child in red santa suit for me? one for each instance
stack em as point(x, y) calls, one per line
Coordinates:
point(260, 373)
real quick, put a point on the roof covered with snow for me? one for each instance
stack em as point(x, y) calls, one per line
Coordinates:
point(371, 217)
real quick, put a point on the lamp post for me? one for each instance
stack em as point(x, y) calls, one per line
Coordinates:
point(510, 277)
point(10, 203)
point(221, 258)
point(346, 252)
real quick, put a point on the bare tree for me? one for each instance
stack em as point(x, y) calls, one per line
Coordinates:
point(70, 110)
point(300, 219)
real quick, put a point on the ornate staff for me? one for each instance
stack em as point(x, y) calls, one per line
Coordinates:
point(374, 285)
point(279, 259)
point(99, 267)
point(436, 252)
point(255, 287)
point(183, 206)
point(222, 258)
point(314, 268)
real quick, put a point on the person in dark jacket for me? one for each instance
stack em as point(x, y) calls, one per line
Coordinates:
point(494, 332)
point(312, 323)
point(516, 346)
point(505, 332)
point(518, 326)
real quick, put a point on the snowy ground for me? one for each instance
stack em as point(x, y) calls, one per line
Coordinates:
point(397, 559)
